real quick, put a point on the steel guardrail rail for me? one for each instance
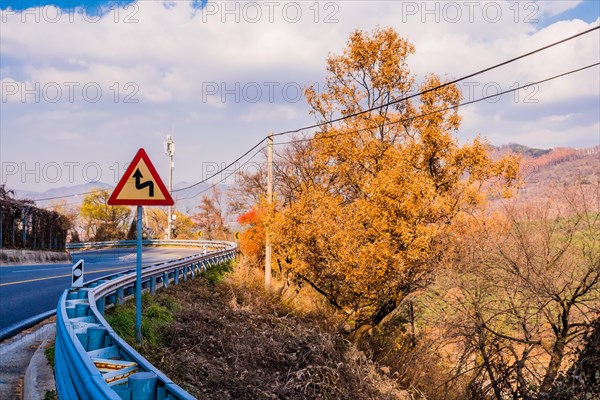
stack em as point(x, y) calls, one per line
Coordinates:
point(20, 326)
point(145, 242)
point(91, 360)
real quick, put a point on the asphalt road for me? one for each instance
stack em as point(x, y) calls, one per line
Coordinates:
point(29, 290)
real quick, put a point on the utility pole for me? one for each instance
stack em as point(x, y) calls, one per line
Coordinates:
point(269, 207)
point(170, 151)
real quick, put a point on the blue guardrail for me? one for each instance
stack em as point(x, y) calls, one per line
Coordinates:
point(91, 361)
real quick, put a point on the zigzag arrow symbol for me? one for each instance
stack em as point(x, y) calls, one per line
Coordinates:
point(139, 185)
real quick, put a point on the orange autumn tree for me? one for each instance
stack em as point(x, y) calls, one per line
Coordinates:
point(366, 227)
point(252, 239)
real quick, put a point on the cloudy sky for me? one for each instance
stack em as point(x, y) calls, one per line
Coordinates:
point(87, 83)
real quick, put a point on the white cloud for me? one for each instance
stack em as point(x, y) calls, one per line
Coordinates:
point(10, 90)
point(168, 55)
point(558, 118)
point(66, 136)
point(266, 112)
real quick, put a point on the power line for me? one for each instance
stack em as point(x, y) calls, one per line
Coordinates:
point(205, 190)
point(409, 119)
point(442, 109)
point(409, 97)
point(177, 190)
point(222, 179)
point(222, 169)
point(67, 196)
point(439, 86)
point(378, 107)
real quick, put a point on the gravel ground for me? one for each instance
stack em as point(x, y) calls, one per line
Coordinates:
point(15, 356)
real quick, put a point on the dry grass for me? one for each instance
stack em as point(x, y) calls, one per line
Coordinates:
point(231, 340)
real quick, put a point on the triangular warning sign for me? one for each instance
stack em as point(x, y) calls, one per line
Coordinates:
point(140, 185)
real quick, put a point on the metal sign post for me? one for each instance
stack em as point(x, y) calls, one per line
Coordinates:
point(140, 186)
point(138, 281)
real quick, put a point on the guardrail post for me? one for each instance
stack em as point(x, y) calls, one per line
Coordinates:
point(166, 280)
point(185, 272)
point(143, 386)
point(101, 304)
point(81, 310)
point(119, 295)
point(176, 278)
point(96, 337)
point(152, 284)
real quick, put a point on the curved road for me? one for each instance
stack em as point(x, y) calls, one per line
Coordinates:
point(29, 290)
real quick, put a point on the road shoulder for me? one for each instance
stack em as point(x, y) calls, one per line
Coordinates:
point(23, 354)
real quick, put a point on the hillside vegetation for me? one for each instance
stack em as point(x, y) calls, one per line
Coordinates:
point(543, 169)
point(229, 340)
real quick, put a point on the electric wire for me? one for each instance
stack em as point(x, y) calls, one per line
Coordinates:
point(409, 97)
point(224, 168)
point(454, 107)
point(225, 178)
point(441, 109)
point(318, 125)
point(238, 168)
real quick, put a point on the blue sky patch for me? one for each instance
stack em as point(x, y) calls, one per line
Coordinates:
point(20, 5)
point(88, 5)
point(587, 11)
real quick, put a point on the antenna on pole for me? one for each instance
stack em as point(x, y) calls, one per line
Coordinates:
point(169, 146)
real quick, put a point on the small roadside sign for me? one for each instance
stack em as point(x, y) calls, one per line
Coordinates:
point(141, 185)
point(236, 236)
point(77, 274)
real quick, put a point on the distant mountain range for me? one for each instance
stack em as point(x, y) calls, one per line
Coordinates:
point(540, 168)
point(70, 191)
point(555, 155)
point(186, 200)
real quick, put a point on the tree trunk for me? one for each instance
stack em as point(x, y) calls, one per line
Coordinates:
point(558, 351)
point(358, 333)
point(489, 369)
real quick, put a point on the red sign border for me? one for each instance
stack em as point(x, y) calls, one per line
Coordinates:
point(140, 155)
